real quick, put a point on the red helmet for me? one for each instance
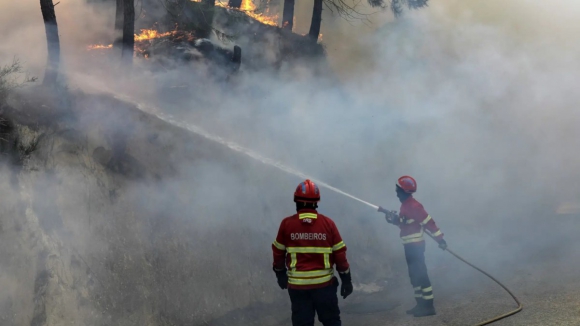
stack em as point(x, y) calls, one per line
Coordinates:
point(407, 183)
point(307, 192)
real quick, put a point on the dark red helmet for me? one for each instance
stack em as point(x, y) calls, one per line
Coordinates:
point(407, 183)
point(307, 192)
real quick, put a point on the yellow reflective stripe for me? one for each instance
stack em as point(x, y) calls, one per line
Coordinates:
point(309, 250)
point(413, 240)
point(414, 235)
point(326, 261)
point(315, 273)
point(308, 281)
point(306, 215)
point(426, 220)
point(428, 297)
point(429, 289)
point(436, 234)
point(417, 288)
point(293, 262)
point(410, 221)
point(279, 245)
point(338, 246)
point(418, 295)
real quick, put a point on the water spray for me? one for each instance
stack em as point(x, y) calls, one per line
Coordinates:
point(240, 149)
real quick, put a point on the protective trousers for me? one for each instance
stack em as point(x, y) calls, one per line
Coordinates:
point(415, 256)
point(323, 301)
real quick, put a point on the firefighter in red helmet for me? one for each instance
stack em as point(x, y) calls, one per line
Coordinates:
point(306, 248)
point(413, 220)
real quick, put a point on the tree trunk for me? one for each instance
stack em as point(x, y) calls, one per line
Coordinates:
point(288, 15)
point(128, 31)
point(206, 24)
point(316, 20)
point(52, 41)
point(118, 41)
point(235, 3)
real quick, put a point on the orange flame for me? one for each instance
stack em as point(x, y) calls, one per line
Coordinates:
point(149, 34)
point(99, 47)
point(249, 8)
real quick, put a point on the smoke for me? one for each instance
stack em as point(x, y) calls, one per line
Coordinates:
point(475, 99)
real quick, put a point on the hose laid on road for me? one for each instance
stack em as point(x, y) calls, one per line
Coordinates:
point(507, 314)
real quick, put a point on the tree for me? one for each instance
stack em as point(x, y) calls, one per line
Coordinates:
point(52, 41)
point(128, 31)
point(350, 12)
point(119, 16)
point(206, 24)
point(288, 15)
point(235, 3)
point(316, 20)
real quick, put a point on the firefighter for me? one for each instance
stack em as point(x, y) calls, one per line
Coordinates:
point(306, 248)
point(413, 220)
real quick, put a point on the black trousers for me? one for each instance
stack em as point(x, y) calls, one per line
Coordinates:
point(322, 301)
point(415, 256)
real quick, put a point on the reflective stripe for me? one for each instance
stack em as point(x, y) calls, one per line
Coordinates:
point(417, 288)
point(436, 234)
point(309, 250)
point(293, 262)
point(410, 221)
point(428, 297)
point(326, 261)
point(426, 220)
point(429, 289)
point(414, 235)
point(338, 246)
point(279, 245)
point(307, 215)
point(307, 281)
point(418, 295)
point(315, 273)
point(413, 240)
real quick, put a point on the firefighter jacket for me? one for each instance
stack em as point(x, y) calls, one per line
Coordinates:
point(308, 244)
point(413, 220)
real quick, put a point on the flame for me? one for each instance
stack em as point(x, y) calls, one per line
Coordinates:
point(149, 34)
point(249, 8)
point(99, 46)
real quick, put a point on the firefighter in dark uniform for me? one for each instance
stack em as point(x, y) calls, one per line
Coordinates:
point(413, 220)
point(307, 247)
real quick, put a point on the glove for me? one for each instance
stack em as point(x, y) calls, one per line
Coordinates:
point(346, 287)
point(443, 244)
point(390, 216)
point(282, 278)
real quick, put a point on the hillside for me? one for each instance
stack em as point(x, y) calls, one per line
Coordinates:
point(115, 215)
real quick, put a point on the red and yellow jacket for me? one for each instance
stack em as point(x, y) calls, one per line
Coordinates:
point(309, 245)
point(413, 220)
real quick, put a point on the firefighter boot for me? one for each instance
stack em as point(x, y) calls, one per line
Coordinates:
point(416, 307)
point(418, 298)
point(426, 309)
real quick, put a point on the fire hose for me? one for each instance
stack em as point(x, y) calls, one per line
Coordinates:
point(489, 321)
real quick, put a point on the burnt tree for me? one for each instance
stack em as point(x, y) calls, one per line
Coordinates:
point(316, 20)
point(52, 41)
point(234, 3)
point(206, 24)
point(119, 12)
point(128, 31)
point(288, 15)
